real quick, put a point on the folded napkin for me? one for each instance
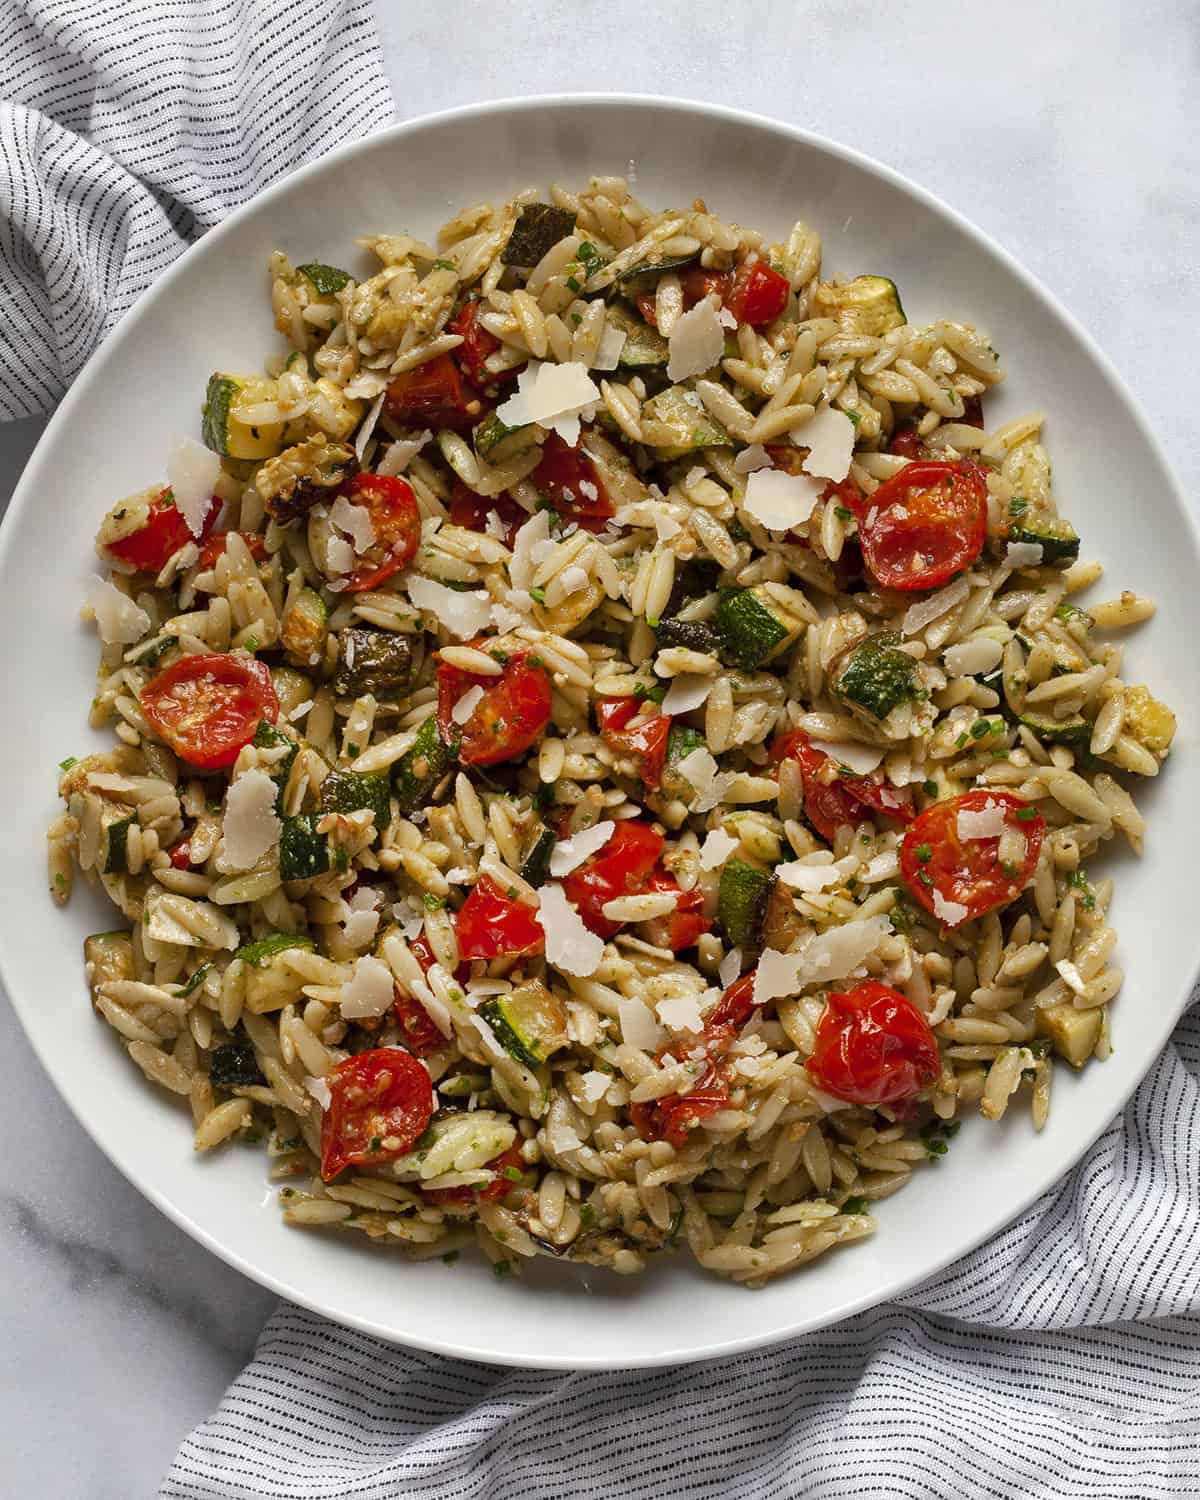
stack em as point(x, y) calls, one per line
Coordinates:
point(1061, 1359)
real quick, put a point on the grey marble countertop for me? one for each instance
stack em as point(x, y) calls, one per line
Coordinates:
point(1067, 131)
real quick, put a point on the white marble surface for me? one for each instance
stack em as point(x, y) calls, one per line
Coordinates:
point(1067, 131)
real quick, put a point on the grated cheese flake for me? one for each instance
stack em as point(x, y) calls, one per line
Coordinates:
point(829, 438)
point(687, 692)
point(553, 395)
point(250, 826)
point(1023, 554)
point(401, 453)
point(780, 501)
point(638, 1026)
point(814, 874)
point(369, 991)
point(924, 611)
point(570, 946)
point(730, 967)
point(319, 1089)
point(950, 912)
point(608, 351)
point(192, 471)
point(682, 1013)
point(355, 521)
point(594, 1085)
point(861, 759)
point(119, 620)
point(523, 565)
point(752, 458)
point(697, 342)
point(833, 954)
point(987, 823)
point(569, 854)
point(716, 849)
point(463, 614)
point(339, 554)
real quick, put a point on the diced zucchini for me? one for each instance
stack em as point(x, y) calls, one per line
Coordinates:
point(113, 838)
point(1150, 722)
point(107, 956)
point(1073, 731)
point(305, 475)
point(694, 635)
point(303, 852)
point(875, 676)
point(537, 862)
point(1073, 1032)
point(326, 280)
point(742, 902)
point(304, 629)
point(372, 661)
point(267, 737)
point(644, 347)
point(867, 305)
point(421, 767)
point(644, 277)
point(751, 626)
point(530, 1023)
point(269, 984)
point(676, 423)
point(539, 228)
point(196, 978)
point(353, 791)
point(681, 741)
point(234, 1065)
point(151, 652)
point(498, 443)
point(224, 431)
point(1057, 538)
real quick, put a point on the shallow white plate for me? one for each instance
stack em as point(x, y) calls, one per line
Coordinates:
point(110, 438)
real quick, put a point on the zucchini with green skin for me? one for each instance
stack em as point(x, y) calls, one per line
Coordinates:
point(645, 276)
point(421, 767)
point(676, 423)
point(304, 629)
point(644, 347)
point(372, 661)
point(875, 676)
point(1073, 1033)
point(681, 741)
point(867, 305)
point(538, 229)
point(114, 836)
point(693, 635)
point(151, 653)
point(327, 281)
point(354, 791)
point(499, 443)
point(1057, 538)
point(536, 866)
point(108, 956)
point(304, 852)
point(224, 431)
point(530, 1023)
point(234, 1065)
point(742, 904)
point(751, 627)
point(1073, 731)
point(267, 737)
point(270, 985)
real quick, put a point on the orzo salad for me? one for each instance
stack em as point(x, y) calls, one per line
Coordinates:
point(606, 753)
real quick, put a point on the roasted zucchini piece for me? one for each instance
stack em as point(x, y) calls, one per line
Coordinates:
point(234, 1066)
point(113, 837)
point(498, 443)
point(304, 629)
point(874, 676)
point(1057, 538)
point(1073, 731)
point(421, 767)
point(269, 984)
point(302, 475)
point(304, 852)
point(695, 635)
point(107, 956)
point(325, 280)
point(752, 627)
point(675, 423)
point(536, 866)
point(644, 277)
point(267, 737)
point(1073, 1032)
point(742, 903)
point(867, 305)
point(354, 791)
point(539, 228)
point(644, 347)
point(372, 661)
point(530, 1023)
point(229, 434)
point(1150, 722)
point(681, 741)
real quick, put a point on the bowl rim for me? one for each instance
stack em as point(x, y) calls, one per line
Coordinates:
point(128, 328)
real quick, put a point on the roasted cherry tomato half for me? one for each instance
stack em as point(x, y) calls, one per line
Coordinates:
point(697, 283)
point(471, 511)
point(734, 1008)
point(924, 524)
point(493, 925)
point(392, 506)
point(572, 483)
point(873, 1046)
point(420, 1035)
point(477, 345)
point(647, 739)
point(507, 720)
point(682, 928)
point(434, 395)
point(160, 535)
point(957, 876)
point(214, 549)
point(619, 869)
point(380, 1104)
point(674, 1117)
point(507, 1167)
point(831, 798)
point(759, 294)
point(207, 707)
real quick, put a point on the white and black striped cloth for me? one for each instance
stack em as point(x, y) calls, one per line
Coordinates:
point(1062, 1359)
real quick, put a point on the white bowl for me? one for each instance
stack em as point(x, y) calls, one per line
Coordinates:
point(110, 438)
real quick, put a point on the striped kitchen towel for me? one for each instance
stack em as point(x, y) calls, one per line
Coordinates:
point(129, 127)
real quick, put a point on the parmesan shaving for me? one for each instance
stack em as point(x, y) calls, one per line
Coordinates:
point(716, 849)
point(752, 458)
point(833, 954)
point(730, 967)
point(192, 472)
point(950, 912)
point(780, 501)
point(119, 620)
point(467, 704)
point(697, 342)
point(829, 438)
point(861, 759)
point(806, 875)
point(355, 521)
point(924, 611)
point(988, 823)
point(319, 1089)
point(521, 568)
point(553, 395)
point(1024, 554)
point(638, 1026)
point(594, 1086)
point(570, 946)
point(401, 453)
point(681, 1014)
point(250, 826)
point(687, 692)
point(369, 991)
point(463, 614)
point(569, 854)
point(608, 351)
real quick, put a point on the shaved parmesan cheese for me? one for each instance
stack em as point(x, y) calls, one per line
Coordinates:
point(829, 955)
point(119, 620)
point(700, 769)
point(950, 912)
point(681, 1014)
point(569, 854)
point(339, 555)
point(369, 991)
point(780, 501)
point(401, 453)
point(638, 1026)
point(319, 1089)
point(752, 458)
point(553, 395)
point(463, 614)
point(192, 471)
point(368, 424)
point(411, 921)
point(572, 579)
point(987, 823)
point(521, 568)
point(608, 351)
point(882, 867)
point(970, 658)
point(594, 1086)
point(666, 526)
point(505, 619)
point(716, 849)
point(777, 975)
point(361, 921)
point(467, 704)
point(920, 614)
point(805, 875)
point(355, 521)
point(730, 967)
point(569, 944)
point(562, 1137)
point(829, 438)
point(861, 759)
point(250, 826)
point(687, 691)
point(1071, 976)
point(696, 344)
point(1023, 554)
point(727, 318)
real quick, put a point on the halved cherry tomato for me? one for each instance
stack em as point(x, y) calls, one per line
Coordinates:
point(939, 866)
point(924, 524)
point(491, 925)
point(392, 507)
point(907, 443)
point(682, 928)
point(873, 1046)
point(180, 855)
point(697, 284)
point(571, 482)
point(421, 1036)
point(507, 720)
point(379, 1105)
point(434, 395)
point(208, 707)
point(647, 740)
point(828, 802)
point(161, 535)
point(214, 548)
point(759, 294)
point(477, 344)
point(619, 869)
point(506, 1163)
point(734, 1008)
point(469, 510)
